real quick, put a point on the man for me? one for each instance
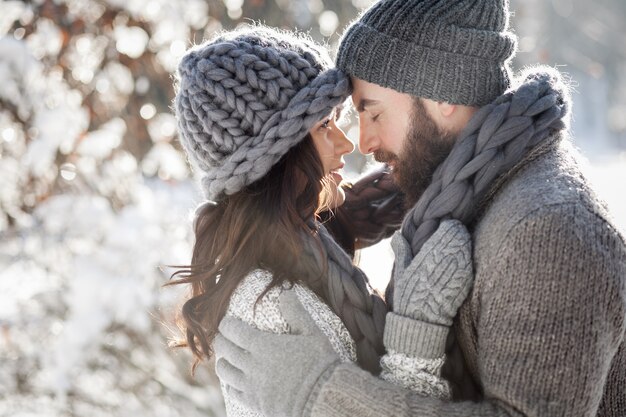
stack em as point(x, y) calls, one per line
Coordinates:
point(542, 332)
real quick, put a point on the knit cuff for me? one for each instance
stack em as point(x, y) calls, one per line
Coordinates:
point(315, 392)
point(414, 337)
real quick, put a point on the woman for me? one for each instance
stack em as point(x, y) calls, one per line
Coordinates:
point(257, 113)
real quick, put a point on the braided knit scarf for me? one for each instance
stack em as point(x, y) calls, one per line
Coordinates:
point(351, 297)
point(496, 138)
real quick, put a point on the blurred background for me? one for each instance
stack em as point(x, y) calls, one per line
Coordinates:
point(96, 198)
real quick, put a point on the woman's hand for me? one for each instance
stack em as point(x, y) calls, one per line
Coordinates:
point(432, 286)
point(373, 210)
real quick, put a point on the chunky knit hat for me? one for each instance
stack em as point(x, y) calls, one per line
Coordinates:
point(455, 51)
point(248, 96)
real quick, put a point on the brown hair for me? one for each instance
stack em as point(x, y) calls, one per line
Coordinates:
point(260, 226)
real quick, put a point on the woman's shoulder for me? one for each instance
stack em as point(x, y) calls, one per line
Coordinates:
point(265, 313)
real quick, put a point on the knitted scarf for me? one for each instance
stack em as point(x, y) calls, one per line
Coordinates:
point(495, 139)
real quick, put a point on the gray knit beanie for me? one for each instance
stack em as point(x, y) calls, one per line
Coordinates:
point(455, 51)
point(248, 96)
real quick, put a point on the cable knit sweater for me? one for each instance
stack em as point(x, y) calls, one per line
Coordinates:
point(420, 375)
point(542, 332)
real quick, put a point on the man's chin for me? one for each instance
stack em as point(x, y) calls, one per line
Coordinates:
point(390, 166)
point(394, 173)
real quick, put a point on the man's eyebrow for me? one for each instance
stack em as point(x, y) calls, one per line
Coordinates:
point(363, 103)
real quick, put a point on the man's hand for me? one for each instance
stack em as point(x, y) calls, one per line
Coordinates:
point(274, 374)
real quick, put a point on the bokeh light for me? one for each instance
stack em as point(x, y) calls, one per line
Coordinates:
point(96, 196)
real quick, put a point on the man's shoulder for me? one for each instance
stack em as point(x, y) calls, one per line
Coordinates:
point(552, 184)
point(550, 189)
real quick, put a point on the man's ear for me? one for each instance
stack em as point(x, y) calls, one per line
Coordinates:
point(446, 109)
point(453, 117)
point(439, 111)
point(444, 114)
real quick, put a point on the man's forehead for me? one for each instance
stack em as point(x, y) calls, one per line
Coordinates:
point(363, 94)
point(366, 94)
point(360, 86)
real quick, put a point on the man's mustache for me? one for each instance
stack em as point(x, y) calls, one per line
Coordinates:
point(385, 157)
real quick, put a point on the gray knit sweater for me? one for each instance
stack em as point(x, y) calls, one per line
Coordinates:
point(542, 332)
point(421, 375)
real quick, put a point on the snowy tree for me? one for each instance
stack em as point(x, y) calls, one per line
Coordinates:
point(96, 197)
point(96, 200)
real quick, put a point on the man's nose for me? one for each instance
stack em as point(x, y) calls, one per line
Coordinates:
point(367, 140)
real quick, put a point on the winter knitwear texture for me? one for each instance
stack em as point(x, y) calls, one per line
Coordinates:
point(350, 296)
point(495, 139)
point(247, 97)
point(422, 375)
point(432, 285)
point(429, 289)
point(244, 99)
point(454, 51)
point(542, 331)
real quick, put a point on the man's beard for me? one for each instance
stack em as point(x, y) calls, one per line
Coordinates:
point(425, 148)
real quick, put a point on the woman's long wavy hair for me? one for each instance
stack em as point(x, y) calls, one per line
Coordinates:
point(260, 226)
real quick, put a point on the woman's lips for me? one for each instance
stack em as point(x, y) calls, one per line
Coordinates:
point(335, 173)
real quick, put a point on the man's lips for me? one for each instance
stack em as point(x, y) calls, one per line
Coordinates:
point(391, 163)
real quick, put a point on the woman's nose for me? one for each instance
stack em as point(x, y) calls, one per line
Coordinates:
point(343, 145)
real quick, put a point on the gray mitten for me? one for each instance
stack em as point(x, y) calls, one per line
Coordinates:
point(275, 374)
point(428, 290)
